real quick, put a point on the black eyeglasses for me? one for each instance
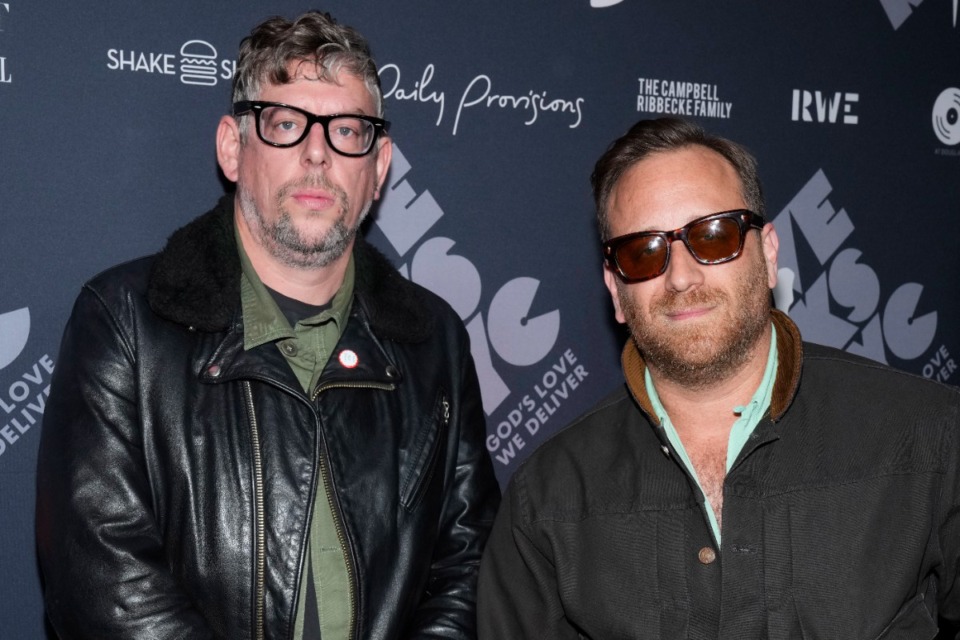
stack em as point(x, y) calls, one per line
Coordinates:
point(712, 239)
point(281, 125)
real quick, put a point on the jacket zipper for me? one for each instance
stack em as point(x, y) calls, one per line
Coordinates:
point(259, 518)
point(353, 385)
point(431, 462)
point(328, 487)
point(439, 445)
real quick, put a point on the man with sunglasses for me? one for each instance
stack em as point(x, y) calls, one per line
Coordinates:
point(742, 484)
point(264, 431)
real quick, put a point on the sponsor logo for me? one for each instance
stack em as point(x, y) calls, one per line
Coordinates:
point(822, 107)
point(6, 77)
point(899, 10)
point(505, 328)
point(535, 408)
point(196, 64)
point(946, 117)
point(836, 277)
point(681, 98)
point(534, 106)
point(21, 402)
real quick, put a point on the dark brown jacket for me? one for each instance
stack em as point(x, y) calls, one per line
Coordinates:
point(841, 518)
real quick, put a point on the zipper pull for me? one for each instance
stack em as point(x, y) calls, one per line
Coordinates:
point(446, 411)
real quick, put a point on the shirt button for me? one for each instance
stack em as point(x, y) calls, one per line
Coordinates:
point(707, 555)
point(289, 347)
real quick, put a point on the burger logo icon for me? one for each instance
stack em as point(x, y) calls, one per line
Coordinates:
point(198, 63)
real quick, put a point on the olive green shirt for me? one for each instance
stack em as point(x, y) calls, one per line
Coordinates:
point(307, 348)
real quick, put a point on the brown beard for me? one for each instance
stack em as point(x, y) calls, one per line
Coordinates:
point(700, 356)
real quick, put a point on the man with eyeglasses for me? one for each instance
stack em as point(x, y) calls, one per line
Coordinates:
point(264, 431)
point(742, 484)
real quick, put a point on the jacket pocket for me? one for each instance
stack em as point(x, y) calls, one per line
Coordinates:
point(429, 443)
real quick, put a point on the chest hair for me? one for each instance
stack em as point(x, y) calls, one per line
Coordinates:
point(710, 463)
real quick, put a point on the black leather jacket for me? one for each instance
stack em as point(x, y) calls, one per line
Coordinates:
point(177, 472)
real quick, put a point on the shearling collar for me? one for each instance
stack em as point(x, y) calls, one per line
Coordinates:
point(195, 281)
point(789, 363)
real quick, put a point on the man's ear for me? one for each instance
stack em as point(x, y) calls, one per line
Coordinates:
point(228, 147)
point(770, 243)
point(384, 154)
point(610, 279)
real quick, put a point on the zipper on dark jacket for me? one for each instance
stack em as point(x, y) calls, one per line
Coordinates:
point(430, 465)
point(259, 597)
point(334, 505)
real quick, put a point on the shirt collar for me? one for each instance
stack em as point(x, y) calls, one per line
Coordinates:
point(753, 410)
point(262, 319)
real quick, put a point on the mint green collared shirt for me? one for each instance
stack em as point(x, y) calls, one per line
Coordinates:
point(307, 348)
point(749, 417)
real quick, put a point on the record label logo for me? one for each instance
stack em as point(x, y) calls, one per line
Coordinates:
point(946, 116)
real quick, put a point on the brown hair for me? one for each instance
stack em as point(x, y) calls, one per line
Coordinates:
point(668, 134)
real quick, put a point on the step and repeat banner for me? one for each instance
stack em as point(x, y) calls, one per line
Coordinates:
point(499, 110)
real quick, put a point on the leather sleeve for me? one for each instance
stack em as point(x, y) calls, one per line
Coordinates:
point(100, 547)
point(518, 594)
point(448, 609)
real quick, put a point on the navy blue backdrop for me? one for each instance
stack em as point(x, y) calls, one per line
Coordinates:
point(500, 110)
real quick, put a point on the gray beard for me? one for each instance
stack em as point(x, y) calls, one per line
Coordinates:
point(702, 356)
point(283, 240)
